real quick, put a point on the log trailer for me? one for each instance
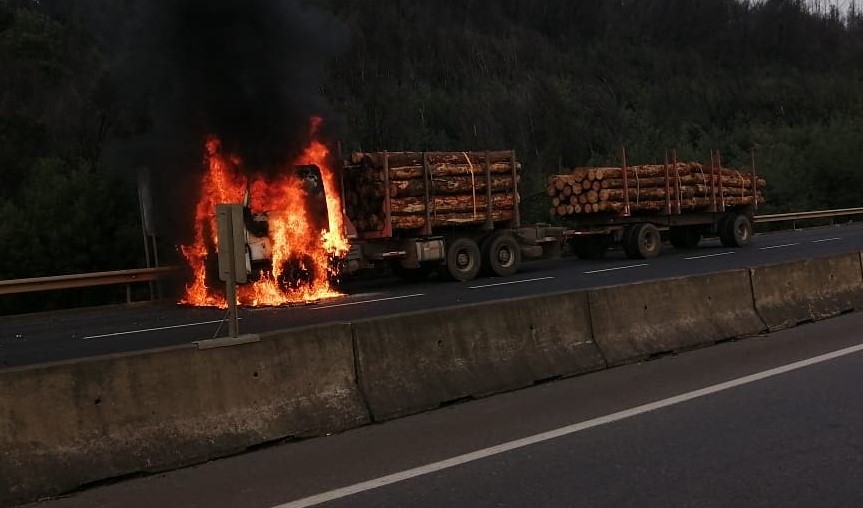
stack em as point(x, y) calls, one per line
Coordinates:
point(637, 205)
point(456, 213)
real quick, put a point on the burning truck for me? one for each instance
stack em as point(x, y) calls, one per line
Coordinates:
point(455, 213)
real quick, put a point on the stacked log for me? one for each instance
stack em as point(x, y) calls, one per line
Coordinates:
point(456, 191)
point(689, 187)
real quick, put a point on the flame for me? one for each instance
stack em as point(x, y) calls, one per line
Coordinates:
point(302, 255)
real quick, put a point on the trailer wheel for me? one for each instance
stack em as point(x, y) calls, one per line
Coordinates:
point(644, 242)
point(684, 237)
point(502, 255)
point(462, 260)
point(737, 233)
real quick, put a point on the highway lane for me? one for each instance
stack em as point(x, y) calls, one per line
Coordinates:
point(766, 421)
point(73, 334)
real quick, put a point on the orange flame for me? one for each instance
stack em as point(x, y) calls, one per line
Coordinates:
point(302, 255)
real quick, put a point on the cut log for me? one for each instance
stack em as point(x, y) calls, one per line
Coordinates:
point(397, 159)
point(451, 169)
point(406, 222)
point(445, 204)
point(451, 185)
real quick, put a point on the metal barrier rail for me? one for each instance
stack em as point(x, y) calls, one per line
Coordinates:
point(9, 287)
point(128, 277)
point(818, 214)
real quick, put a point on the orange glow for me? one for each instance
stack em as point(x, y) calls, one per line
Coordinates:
point(302, 253)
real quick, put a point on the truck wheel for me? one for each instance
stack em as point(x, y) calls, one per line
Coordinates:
point(411, 274)
point(684, 237)
point(738, 232)
point(645, 241)
point(590, 247)
point(722, 228)
point(502, 255)
point(630, 246)
point(462, 260)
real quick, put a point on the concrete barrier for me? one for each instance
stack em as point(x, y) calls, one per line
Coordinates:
point(68, 424)
point(790, 293)
point(414, 362)
point(636, 321)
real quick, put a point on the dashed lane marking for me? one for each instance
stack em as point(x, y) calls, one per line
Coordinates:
point(779, 246)
point(156, 329)
point(616, 268)
point(710, 255)
point(367, 301)
point(510, 283)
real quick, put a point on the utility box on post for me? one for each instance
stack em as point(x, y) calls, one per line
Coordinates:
point(232, 243)
point(232, 256)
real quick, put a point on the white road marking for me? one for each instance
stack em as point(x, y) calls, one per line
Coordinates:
point(509, 283)
point(779, 246)
point(130, 332)
point(826, 240)
point(710, 255)
point(616, 268)
point(366, 301)
point(562, 431)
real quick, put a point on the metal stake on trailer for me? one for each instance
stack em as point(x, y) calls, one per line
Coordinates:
point(667, 187)
point(626, 210)
point(754, 180)
point(712, 183)
point(515, 190)
point(388, 220)
point(489, 221)
point(721, 190)
point(676, 179)
point(427, 229)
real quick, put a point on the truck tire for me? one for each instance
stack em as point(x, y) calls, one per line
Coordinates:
point(644, 241)
point(501, 255)
point(722, 228)
point(590, 247)
point(630, 247)
point(737, 233)
point(463, 260)
point(684, 237)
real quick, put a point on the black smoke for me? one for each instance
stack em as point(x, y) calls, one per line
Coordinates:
point(249, 71)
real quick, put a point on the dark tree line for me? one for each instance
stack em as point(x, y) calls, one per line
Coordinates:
point(564, 83)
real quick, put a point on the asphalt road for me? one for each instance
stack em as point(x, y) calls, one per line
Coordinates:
point(766, 421)
point(39, 338)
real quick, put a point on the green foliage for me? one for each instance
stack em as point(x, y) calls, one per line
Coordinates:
point(565, 83)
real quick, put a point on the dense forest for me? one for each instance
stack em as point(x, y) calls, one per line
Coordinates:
point(88, 97)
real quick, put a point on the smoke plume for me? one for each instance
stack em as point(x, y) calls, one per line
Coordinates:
point(248, 71)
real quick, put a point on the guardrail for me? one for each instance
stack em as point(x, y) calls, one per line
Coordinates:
point(818, 214)
point(128, 277)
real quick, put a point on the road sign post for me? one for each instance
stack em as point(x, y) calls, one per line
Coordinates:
point(232, 259)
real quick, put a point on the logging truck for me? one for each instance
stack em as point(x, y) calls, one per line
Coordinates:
point(634, 205)
point(456, 213)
